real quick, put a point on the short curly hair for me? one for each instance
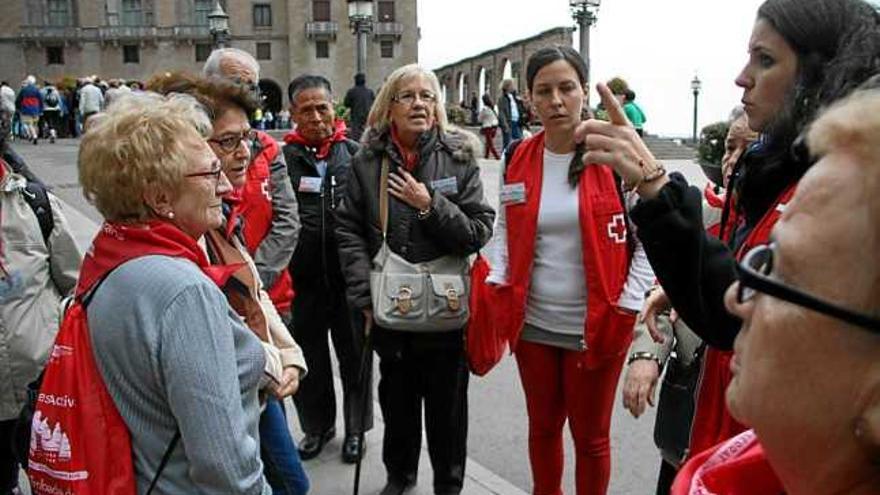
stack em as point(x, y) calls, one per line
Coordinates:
point(216, 94)
point(140, 142)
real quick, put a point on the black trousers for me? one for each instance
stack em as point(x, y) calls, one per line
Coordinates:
point(666, 477)
point(8, 463)
point(317, 309)
point(412, 374)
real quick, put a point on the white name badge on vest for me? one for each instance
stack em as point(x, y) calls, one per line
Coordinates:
point(310, 184)
point(445, 186)
point(513, 194)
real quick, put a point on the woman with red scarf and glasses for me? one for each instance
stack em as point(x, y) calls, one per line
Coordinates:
point(174, 355)
point(435, 208)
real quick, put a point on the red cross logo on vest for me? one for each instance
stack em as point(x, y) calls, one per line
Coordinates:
point(617, 229)
point(264, 187)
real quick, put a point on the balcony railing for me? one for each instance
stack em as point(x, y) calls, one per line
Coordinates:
point(72, 34)
point(327, 29)
point(388, 30)
point(128, 33)
point(52, 33)
point(192, 33)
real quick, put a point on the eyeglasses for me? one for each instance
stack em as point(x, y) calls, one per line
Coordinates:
point(409, 98)
point(213, 174)
point(231, 143)
point(754, 276)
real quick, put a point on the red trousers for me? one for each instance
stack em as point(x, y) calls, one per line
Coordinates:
point(489, 134)
point(558, 387)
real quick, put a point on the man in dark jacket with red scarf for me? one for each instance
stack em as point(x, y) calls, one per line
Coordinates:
point(318, 156)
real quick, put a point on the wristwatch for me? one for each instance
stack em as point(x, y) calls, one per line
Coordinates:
point(643, 355)
point(423, 214)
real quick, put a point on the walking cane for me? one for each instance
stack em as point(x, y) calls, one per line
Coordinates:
point(365, 382)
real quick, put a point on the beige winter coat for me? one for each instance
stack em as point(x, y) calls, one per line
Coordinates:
point(39, 275)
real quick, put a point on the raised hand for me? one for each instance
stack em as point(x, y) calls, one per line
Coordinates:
point(617, 145)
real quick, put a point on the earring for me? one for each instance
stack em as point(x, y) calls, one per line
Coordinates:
point(170, 215)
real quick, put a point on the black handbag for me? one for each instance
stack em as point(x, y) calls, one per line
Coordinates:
point(677, 403)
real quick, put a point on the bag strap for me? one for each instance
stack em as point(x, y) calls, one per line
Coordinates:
point(164, 462)
point(383, 197)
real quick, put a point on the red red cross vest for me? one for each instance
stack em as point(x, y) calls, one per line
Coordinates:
point(712, 421)
point(256, 210)
point(607, 330)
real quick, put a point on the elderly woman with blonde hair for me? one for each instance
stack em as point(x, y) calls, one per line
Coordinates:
point(174, 355)
point(229, 105)
point(434, 208)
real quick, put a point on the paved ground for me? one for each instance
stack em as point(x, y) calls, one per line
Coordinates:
point(497, 443)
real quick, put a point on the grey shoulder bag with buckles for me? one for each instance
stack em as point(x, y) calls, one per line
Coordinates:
point(416, 297)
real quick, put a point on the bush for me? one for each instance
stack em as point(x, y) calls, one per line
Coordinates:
point(457, 115)
point(342, 112)
point(711, 147)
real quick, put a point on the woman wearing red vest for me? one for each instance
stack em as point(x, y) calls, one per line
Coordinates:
point(570, 279)
point(803, 55)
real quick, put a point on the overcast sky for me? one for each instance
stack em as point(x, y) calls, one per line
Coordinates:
point(657, 46)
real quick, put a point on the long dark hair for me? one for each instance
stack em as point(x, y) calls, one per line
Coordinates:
point(545, 57)
point(837, 43)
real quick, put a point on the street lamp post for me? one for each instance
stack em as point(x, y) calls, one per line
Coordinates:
point(218, 24)
point(585, 13)
point(695, 86)
point(360, 19)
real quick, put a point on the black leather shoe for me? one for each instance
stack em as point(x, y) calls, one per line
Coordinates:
point(350, 449)
point(311, 444)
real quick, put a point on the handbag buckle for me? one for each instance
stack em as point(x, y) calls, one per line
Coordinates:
point(404, 299)
point(453, 302)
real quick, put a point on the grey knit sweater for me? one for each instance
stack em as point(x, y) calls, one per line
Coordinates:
point(175, 356)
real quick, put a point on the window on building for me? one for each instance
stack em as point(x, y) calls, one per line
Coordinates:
point(386, 48)
point(262, 15)
point(321, 10)
point(322, 49)
point(386, 11)
point(131, 54)
point(58, 12)
point(54, 55)
point(201, 9)
point(132, 13)
point(264, 51)
point(203, 51)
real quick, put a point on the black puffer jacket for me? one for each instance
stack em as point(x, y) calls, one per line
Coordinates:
point(316, 258)
point(460, 221)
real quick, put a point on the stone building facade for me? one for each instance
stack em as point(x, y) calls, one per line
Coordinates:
point(133, 39)
point(484, 72)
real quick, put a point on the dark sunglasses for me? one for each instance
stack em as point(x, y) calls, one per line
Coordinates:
point(231, 143)
point(754, 276)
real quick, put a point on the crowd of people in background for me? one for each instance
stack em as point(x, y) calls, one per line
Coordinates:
point(227, 261)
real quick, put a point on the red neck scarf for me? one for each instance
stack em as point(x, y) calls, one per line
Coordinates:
point(737, 466)
point(410, 158)
point(321, 149)
point(117, 243)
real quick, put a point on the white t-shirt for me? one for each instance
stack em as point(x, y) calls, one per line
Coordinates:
point(558, 296)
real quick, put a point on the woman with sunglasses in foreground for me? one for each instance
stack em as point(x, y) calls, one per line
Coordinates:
point(803, 55)
point(806, 376)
